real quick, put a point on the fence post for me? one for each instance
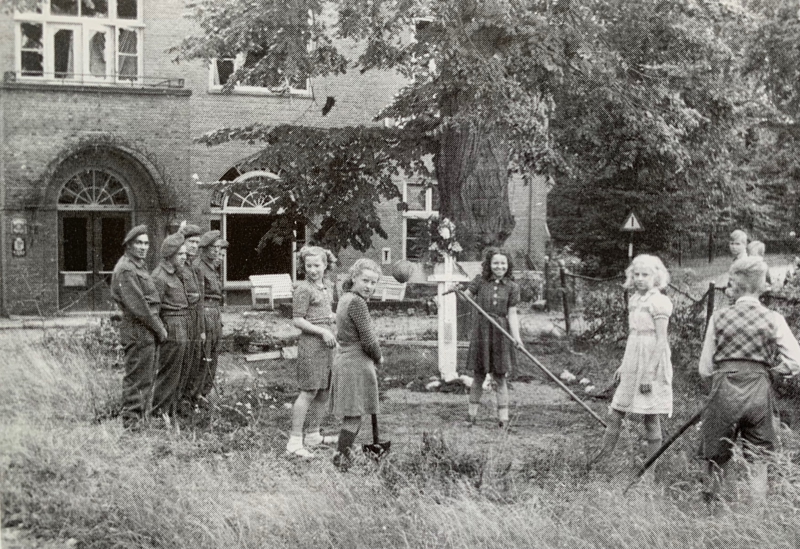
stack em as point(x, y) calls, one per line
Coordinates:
point(712, 296)
point(564, 297)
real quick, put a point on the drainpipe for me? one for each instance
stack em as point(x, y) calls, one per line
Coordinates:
point(3, 247)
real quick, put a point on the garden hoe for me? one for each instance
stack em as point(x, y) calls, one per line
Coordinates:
point(550, 374)
point(377, 449)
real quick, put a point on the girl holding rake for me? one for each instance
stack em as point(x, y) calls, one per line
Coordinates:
point(489, 351)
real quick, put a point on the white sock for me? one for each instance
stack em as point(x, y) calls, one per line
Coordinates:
point(472, 410)
point(295, 443)
point(313, 439)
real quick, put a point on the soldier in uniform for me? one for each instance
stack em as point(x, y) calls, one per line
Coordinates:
point(175, 316)
point(210, 245)
point(191, 375)
point(141, 330)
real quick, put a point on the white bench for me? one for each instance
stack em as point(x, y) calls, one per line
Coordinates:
point(268, 288)
point(389, 289)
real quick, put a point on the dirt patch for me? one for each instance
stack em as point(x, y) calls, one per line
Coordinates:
point(520, 393)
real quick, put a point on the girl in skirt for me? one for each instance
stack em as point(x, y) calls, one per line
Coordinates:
point(311, 310)
point(354, 386)
point(489, 350)
point(645, 376)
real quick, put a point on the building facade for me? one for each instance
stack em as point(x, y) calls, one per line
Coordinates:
point(98, 126)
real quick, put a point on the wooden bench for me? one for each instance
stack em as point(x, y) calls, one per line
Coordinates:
point(389, 289)
point(268, 288)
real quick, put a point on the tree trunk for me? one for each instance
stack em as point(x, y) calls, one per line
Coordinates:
point(472, 172)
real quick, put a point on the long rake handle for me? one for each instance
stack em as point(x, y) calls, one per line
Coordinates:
point(663, 448)
point(541, 366)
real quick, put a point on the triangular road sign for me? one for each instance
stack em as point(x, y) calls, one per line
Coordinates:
point(632, 224)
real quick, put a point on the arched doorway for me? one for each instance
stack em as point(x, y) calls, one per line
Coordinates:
point(95, 209)
point(246, 218)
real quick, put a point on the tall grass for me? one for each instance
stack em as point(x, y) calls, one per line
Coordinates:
point(66, 475)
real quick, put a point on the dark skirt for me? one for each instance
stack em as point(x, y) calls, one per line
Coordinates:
point(354, 383)
point(490, 352)
point(314, 363)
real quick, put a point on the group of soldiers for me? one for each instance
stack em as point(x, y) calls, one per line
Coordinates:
point(171, 324)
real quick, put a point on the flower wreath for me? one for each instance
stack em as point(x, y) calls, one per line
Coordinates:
point(442, 234)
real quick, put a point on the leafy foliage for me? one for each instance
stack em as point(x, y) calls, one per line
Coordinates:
point(330, 179)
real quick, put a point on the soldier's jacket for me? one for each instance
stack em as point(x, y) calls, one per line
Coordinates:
point(170, 287)
point(133, 289)
point(211, 282)
point(195, 290)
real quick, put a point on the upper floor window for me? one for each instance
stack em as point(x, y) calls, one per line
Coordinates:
point(97, 41)
point(222, 70)
point(423, 204)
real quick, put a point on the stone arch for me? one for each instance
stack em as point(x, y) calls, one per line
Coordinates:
point(149, 192)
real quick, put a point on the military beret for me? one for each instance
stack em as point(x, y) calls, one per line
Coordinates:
point(138, 230)
point(192, 230)
point(224, 243)
point(171, 244)
point(209, 238)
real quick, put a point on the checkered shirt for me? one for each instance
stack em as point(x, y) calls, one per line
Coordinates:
point(745, 331)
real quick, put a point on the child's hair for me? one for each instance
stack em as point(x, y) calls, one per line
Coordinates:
point(486, 266)
point(757, 248)
point(660, 273)
point(748, 274)
point(361, 265)
point(738, 235)
point(306, 251)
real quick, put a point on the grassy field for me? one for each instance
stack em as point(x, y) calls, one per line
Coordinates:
point(70, 472)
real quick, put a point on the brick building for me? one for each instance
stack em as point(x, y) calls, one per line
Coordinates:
point(98, 126)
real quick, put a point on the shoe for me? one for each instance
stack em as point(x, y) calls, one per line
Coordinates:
point(295, 448)
point(316, 439)
point(301, 452)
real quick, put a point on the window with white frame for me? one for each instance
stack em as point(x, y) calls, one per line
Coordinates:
point(423, 204)
point(97, 41)
point(221, 71)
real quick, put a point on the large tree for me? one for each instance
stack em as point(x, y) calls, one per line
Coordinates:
point(479, 74)
point(626, 103)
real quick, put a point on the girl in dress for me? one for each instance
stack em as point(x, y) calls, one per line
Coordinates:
point(645, 376)
point(354, 385)
point(489, 351)
point(311, 310)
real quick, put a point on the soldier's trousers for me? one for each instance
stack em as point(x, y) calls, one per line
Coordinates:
point(171, 355)
point(213, 321)
point(141, 352)
point(192, 372)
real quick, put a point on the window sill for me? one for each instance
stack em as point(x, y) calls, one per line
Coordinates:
point(176, 89)
point(264, 92)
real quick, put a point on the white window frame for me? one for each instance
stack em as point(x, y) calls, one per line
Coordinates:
point(82, 27)
point(216, 87)
point(425, 214)
point(266, 208)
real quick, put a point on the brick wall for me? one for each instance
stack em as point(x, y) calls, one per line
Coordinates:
point(44, 124)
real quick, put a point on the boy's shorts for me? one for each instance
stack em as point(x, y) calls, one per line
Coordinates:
point(742, 402)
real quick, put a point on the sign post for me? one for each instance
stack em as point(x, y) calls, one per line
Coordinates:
point(631, 226)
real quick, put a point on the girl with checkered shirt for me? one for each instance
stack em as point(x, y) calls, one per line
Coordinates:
point(645, 376)
point(312, 315)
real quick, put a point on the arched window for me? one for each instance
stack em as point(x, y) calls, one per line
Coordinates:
point(259, 200)
point(94, 189)
point(245, 217)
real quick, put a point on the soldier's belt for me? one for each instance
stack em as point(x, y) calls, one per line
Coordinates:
point(175, 312)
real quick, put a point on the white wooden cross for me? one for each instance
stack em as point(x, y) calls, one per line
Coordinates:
point(448, 335)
